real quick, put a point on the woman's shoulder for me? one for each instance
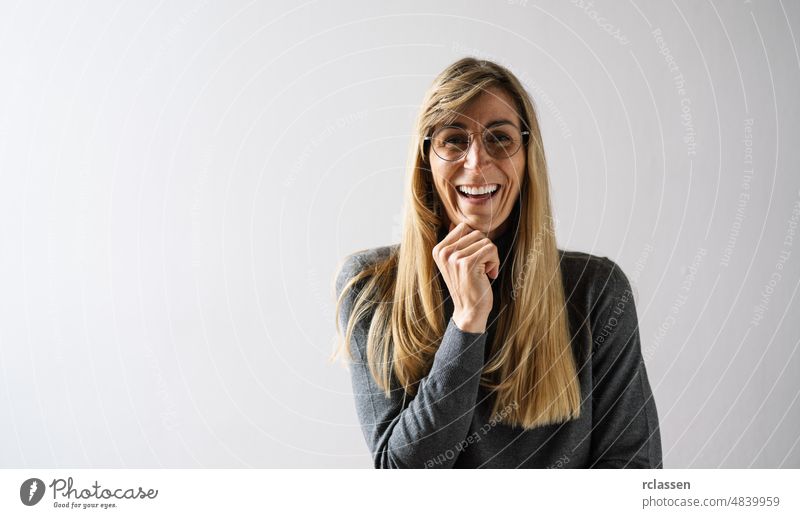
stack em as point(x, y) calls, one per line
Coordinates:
point(592, 277)
point(352, 264)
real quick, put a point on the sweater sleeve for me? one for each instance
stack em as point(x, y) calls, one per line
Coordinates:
point(625, 429)
point(425, 430)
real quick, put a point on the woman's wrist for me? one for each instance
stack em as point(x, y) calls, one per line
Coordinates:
point(470, 323)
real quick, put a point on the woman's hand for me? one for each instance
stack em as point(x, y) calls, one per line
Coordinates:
point(467, 259)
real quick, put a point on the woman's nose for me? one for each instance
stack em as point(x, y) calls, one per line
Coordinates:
point(476, 153)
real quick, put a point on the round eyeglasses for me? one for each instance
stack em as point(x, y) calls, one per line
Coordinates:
point(451, 143)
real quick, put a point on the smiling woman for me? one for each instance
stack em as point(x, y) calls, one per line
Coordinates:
point(475, 341)
point(479, 182)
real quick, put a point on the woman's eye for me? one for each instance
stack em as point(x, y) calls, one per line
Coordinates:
point(498, 138)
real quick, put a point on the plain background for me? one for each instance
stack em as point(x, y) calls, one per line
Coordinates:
point(179, 182)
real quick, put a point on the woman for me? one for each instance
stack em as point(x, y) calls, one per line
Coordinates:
point(476, 342)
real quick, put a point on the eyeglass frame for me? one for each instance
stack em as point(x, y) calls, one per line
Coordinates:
point(523, 133)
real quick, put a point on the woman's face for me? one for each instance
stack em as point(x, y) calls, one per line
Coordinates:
point(479, 170)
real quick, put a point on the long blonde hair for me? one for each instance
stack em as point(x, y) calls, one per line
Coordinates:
point(531, 370)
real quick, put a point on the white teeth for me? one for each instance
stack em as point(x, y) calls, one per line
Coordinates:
point(485, 189)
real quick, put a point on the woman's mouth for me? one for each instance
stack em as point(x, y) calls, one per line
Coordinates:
point(478, 194)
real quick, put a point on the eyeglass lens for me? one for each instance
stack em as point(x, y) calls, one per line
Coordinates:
point(452, 143)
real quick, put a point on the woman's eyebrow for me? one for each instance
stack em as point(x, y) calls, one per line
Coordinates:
point(496, 122)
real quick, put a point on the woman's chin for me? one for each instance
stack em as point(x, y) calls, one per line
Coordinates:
point(479, 222)
point(485, 221)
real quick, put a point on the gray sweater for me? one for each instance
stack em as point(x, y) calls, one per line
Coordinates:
point(447, 424)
